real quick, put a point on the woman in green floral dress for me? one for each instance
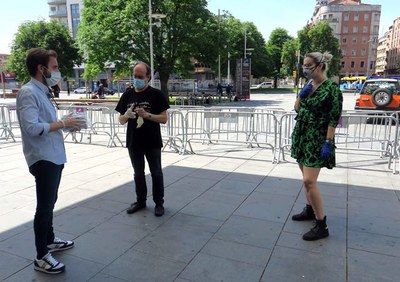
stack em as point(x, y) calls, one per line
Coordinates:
point(319, 106)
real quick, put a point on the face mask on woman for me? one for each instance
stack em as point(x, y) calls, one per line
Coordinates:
point(309, 72)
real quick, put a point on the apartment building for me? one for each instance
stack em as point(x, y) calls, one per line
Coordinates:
point(66, 12)
point(380, 66)
point(356, 25)
point(393, 48)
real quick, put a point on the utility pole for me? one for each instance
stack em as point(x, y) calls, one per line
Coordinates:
point(219, 43)
point(245, 42)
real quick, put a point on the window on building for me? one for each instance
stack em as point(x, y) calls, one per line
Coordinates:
point(352, 64)
point(346, 17)
point(75, 18)
point(344, 40)
point(366, 17)
point(365, 29)
point(371, 64)
point(363, 51)
point(343, 64)
point(361, 64)
point(356, 17)
point(344, 52)
point(345, 29)
point(376, 29)
point(353, 52)
point(364, 40)
point(355, 29)
point(354, 41)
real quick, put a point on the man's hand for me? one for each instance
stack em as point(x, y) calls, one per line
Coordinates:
point(129, 113)
point(72, 123)
point(326, 150)
point(305, 91)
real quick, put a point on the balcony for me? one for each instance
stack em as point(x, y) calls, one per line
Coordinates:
point(58, 14)
point(56, 2)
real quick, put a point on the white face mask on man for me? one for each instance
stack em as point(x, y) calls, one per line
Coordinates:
point(54, 78)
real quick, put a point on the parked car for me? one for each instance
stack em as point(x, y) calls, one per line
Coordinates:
point(81, 90)
point(263, 85)
point(379, 94)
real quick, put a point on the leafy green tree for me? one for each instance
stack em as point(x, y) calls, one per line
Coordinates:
point(320, 38)
point(47, 35)
point(289, 57)
point(233, 32)
point(118, 32)
point(274, 46)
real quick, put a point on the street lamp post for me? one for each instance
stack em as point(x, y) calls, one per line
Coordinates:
point(151, 17)
point(245, 42)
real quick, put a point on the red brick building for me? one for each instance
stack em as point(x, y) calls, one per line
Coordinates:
point(356, 25)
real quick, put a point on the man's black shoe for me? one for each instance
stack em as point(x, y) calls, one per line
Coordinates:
point(159, 210)
point(135, 207)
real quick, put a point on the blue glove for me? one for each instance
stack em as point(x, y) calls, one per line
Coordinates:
point(305, 91)
point(326, 150)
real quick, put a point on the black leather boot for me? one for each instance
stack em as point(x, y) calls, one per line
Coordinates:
point(319, 231)
point(306, 214)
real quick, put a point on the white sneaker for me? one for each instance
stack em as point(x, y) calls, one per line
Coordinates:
point(60, 245)
point(48, 264)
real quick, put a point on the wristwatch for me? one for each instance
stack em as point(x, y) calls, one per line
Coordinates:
point(149, 116)
point(329, 140)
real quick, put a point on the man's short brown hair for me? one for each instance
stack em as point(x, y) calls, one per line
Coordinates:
point(38, 56)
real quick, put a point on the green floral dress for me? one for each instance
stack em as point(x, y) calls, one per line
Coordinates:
point(321, 109)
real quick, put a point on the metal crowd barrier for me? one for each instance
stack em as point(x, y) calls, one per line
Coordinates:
point(227, 126)
point(377, 132)
point(8, 120)
point(370, 131)
point(100, 121)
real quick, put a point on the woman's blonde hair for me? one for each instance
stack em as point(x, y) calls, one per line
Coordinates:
point(321, 58)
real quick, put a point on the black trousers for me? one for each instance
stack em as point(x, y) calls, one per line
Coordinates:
point(153, 157)
point(48, 177)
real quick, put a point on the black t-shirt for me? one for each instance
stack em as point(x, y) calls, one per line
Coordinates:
point(149, 134)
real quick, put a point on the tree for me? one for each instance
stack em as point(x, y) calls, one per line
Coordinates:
point(274, 47)
point(232, 42)
point(320, 38)
point(311, 38)
point(289, 57)
point(118, 32)
point(47, 35)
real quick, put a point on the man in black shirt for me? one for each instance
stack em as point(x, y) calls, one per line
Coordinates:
point(144, 108)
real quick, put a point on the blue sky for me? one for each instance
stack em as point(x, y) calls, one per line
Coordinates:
point(266, 14)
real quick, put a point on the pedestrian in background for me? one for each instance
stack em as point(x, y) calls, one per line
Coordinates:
point(43, 147)
point(144, 108)
point(319, 107)
point(219, 89)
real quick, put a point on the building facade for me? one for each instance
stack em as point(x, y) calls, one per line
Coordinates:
point(380, 66)
point(393, 48)
point(356, 26)
point(66, 12)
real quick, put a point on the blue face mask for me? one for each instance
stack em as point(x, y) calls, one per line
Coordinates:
point(139, 83)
